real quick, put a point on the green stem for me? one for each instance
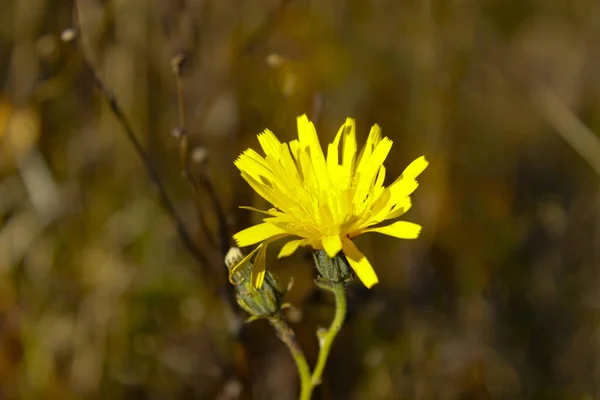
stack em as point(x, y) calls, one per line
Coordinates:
point(287, 336)
point(326, 338)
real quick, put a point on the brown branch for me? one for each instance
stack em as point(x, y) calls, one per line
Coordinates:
point(205, 181)
point(73, 36)
point(180, 133)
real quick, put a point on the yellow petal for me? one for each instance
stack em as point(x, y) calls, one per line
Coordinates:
point(415, 168)
point(372, 142)
point(264, 191)
point(381, 152)
point(338, 136)
point(360, 264)
point(374, 136)
point(270, 144)
point(332, 245)
point(367, 170)
point(334, 148)
point(400, 229)
point(294, 147)
point(349, 146)
point(307, 169)
point(243, 262)
point(289, 165)
point(332, 161)
point(307, 134)
point(273, 211)
point(400, 208)
point(257, 233)
point(401, 188)
point(254, 165)
point(260, 267)
point(290, 247)
point(378, 188)
point(406, 183)
point(385, 208)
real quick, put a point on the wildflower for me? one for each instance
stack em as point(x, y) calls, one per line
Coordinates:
point(323, 201)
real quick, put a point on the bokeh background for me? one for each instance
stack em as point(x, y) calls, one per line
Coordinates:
point(99, 296)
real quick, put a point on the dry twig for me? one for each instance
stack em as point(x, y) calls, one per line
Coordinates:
point(73, 36)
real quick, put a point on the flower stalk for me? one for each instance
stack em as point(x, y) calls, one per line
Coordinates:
point(326, 337)
point(287, 336)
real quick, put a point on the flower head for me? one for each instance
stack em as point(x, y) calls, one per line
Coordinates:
point(325, 201)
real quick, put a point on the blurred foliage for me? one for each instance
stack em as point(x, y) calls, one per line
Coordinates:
point(499, 298)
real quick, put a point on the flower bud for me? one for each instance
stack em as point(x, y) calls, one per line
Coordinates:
point(262, 302)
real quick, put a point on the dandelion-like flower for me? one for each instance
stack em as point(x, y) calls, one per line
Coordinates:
point(323, 201)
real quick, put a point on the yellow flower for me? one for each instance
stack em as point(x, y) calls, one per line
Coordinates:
point(324, 202)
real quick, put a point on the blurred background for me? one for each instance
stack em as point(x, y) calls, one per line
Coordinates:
point(101, 298)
